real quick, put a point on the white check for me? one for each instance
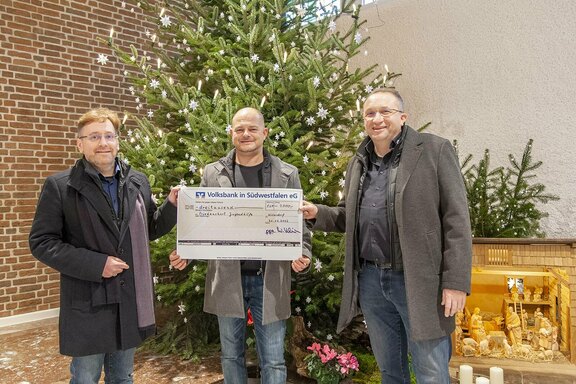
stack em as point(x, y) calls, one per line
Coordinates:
point(239, 223)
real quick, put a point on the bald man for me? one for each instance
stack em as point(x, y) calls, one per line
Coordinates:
point(233, 286)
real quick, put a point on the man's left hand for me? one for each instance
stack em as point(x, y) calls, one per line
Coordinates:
point(300, 264)
point(453, 301)
point(173, 195)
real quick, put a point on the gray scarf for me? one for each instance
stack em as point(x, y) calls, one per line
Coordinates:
point(98, 238)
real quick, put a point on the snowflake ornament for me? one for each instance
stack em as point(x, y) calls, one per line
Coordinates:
point(165, 21)
point(102, 59)
point(322, 113)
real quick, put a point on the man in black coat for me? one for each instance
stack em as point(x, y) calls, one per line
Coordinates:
point(93, 224)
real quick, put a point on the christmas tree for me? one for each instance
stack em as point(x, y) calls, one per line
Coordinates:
point(207, 59)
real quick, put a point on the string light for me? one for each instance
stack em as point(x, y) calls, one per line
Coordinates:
point(111, 36)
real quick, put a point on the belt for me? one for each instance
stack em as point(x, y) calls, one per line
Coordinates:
point(377, 264)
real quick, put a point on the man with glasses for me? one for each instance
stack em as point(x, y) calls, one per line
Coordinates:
point(408, 242)
point(93, 224)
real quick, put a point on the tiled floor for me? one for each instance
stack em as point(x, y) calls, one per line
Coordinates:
point(29, 354)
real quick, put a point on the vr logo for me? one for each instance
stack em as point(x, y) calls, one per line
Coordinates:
point(200, 195)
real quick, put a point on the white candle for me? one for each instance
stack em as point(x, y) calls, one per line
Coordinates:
point(482, 380)
point(465, 374)
point(496, 375)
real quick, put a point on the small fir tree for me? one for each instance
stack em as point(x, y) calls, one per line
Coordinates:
point(503, 202)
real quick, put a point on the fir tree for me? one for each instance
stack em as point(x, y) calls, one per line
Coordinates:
point(503, 202)
point(207, 59)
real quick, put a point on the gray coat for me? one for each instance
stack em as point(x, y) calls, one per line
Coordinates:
point(223, 295)
point(433, 226)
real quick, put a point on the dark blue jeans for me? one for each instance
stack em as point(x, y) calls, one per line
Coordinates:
point(269, 339)
point(382, 295)
point(118, 368)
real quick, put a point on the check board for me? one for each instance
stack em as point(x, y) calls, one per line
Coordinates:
point(239, 223)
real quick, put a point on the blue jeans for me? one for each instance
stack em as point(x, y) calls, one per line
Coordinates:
point(269, 339)
point(382, 296)
point(118, 368)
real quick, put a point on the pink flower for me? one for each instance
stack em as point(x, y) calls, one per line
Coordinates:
point(326, 362)
point(328, 355)
point(348, 361)
point(314, 347)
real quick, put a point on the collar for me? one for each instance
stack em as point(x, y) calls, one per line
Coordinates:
point(367, 147)
point(229, 160)
point(117, 173)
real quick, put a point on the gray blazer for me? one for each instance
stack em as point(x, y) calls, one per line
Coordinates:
point(433, 227)
point(223, 294)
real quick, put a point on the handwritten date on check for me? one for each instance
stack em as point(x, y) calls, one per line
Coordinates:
point(239, 223)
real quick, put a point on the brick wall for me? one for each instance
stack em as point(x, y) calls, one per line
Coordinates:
point(49, 77)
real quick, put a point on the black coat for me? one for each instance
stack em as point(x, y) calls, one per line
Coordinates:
point(57, 239)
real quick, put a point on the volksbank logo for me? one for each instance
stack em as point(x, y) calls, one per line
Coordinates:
point(200, 195)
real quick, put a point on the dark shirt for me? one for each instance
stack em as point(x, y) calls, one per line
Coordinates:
point(249, 177)
point(373, 228)
point(110, 186)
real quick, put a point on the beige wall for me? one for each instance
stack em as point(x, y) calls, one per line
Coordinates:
point(491, 74)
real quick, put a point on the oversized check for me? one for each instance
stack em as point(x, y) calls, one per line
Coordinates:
point(239, 223)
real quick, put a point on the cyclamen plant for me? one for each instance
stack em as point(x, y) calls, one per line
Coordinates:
point(328, 366)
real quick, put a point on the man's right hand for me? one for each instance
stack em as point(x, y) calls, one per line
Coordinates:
point(176, 261)
point(113, 267)
point(309, 210)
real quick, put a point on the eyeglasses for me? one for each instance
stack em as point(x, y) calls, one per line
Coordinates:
point(96, 137)
point(384, 113)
